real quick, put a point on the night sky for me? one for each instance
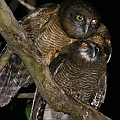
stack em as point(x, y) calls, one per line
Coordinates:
point(110, 12)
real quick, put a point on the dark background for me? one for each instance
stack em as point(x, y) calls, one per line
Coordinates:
point(110, 12)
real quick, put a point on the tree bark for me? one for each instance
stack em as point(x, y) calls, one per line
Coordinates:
point(17, 42)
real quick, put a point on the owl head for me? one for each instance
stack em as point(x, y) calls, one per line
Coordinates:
point(78, 18)
point(84, 49)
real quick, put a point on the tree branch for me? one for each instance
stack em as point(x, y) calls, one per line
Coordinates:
point(18, 42)
point(27, 5)
point(25, 95)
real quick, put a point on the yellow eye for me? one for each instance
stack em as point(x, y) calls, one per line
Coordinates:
point(79, 18)
point(84, 44)
point(93, 22)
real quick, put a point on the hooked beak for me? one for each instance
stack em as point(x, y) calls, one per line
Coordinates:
point(93, 53)
point(86, 28)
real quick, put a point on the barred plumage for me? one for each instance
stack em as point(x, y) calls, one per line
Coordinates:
point(53, 26)
point(46, 27)
point(12, 77)
point(81, 78)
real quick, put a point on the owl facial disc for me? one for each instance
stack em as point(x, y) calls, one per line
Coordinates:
point(78, 18)
point(88, 50)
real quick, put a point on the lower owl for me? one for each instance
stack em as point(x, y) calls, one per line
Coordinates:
point(80, 70)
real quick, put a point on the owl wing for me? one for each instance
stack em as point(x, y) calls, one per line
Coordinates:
point(57, 63)
point(34, 21)
point(12, 77)
point(104, 40)
point(100, 93)
point(107, 43)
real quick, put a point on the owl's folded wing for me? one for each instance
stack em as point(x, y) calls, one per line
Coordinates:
point(12, 77)
point(57, 62)
point(33, 22)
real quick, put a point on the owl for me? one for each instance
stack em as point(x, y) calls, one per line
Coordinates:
point(80, 70)
point(52, 26)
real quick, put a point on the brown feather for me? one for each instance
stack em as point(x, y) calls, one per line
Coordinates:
point(78, 77)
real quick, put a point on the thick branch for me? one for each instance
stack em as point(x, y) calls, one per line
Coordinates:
point(17, 40)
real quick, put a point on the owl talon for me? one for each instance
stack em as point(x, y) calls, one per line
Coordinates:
point(97, 101)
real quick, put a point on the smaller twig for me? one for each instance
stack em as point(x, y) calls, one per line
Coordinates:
point(4, 57)
point(26, 95)
point(30, 7)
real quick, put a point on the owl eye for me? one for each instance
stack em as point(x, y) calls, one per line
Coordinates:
point(97, 49)
point(79, 18)
point(94, 22)
point(84, 44)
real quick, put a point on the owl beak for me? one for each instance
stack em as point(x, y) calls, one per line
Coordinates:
point(86, 28)
point(93, 53)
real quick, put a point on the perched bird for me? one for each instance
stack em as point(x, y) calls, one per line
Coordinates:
point(51, 27)
point(80, 70)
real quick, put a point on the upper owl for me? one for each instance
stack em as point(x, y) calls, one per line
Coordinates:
point(53, 26)
point(78, 18)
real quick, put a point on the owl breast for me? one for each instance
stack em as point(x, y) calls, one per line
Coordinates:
point(80, 80)
point(51, 39)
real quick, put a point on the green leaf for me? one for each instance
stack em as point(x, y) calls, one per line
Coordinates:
point(28, 109)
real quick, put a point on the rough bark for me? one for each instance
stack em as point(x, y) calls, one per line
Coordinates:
point(17, 42)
